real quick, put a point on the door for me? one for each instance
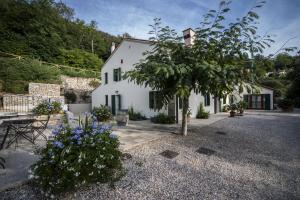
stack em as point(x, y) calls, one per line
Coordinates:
point(267, 102)
point(115, 104)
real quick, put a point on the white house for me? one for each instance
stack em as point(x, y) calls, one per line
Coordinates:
point(121, 94)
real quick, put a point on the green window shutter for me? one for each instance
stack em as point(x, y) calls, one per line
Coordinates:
point(180, 102)
point(106, 78)
point(106, 100)
point(120, 106)
point(151, 100)
point(267, 102)
point(224, 99)
point(113, 104)
point(119, 74)
point(208, 99)
point(158, 101)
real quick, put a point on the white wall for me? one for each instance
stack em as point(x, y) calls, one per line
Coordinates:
point(131, 94)
point(79, 108)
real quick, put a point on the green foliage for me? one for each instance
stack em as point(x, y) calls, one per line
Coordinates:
point(225, 108)
point(47, 108)
point(162, 118)
point(214, 64)
point(241, 106)
point(135, 116)
point(16, 74)
point(94, 83)
point(232, 107)
point(41, 28)
point(76, 157)
point(102, 113)
point(70, 97)
point(293, 91)
point(80, 59)
point(201, 114)
point(286, 104)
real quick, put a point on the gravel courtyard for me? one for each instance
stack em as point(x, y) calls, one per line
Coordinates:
point(256, 157)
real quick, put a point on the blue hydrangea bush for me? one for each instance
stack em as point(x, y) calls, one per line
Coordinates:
point(77, 156)
point(48, 108)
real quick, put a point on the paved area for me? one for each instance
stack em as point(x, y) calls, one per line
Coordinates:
point(254, 157)
point(142, 132)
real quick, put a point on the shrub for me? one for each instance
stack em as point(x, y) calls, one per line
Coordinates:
point(241, 106)
point(201, 114)
point(285, 104)
point(225, 108)
point(94, 83)
point(135, 116)
point(70, 97)
point(86, 154)
point(102, 113)
point(47, 108)
point(162, 118)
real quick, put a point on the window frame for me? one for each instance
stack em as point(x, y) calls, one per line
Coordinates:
point(207, 99)
point(105, 78)
point(117, 74)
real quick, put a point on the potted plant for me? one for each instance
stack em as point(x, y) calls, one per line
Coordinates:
point(286, 105)
point(232, 109)
point(242, 105)
point(102, 113)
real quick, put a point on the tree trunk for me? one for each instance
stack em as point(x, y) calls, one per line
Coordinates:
point(185, 108)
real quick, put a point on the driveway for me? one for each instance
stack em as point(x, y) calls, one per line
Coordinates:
point(249, 157)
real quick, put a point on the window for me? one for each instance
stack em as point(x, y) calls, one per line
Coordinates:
point(187, 36)
point(105, 78)
point(206, 100)
point(106, 100)
point(121, 61)
point(117, 74)
point(155, 101)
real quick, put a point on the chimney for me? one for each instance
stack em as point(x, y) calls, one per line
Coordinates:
point(188, 35)
point(112, 48)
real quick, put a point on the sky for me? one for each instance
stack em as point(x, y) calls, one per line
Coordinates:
point(280, 18)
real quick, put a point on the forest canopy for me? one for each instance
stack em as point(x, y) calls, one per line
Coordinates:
point(48, 31)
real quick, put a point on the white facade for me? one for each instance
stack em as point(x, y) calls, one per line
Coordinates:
point(128, 53)
point(125, 56)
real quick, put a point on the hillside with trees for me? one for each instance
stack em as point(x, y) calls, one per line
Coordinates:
point(45, 30)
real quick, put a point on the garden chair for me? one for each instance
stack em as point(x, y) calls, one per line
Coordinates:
point(39, 127)
point(21, 128)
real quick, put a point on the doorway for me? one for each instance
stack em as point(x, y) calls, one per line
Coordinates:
point(115, 104)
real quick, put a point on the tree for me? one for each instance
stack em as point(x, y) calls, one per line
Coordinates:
point(214, 64)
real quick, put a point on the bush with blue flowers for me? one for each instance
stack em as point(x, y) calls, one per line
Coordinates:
point(47, 108)
point(77, 156)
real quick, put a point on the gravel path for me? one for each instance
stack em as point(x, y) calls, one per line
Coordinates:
point(257, 158)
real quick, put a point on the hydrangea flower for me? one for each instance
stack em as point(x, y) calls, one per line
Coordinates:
point(58, 144)
point(113, 136)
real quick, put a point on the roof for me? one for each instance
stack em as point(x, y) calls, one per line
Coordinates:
point(266, 87)
point(188, 29)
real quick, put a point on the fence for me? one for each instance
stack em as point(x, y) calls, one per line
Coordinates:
point(23, 103)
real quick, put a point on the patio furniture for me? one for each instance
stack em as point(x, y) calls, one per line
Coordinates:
point(20, 128)
point(39, 126)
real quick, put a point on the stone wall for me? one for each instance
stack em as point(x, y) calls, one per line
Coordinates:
point(42, 89)
point(77, 83)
